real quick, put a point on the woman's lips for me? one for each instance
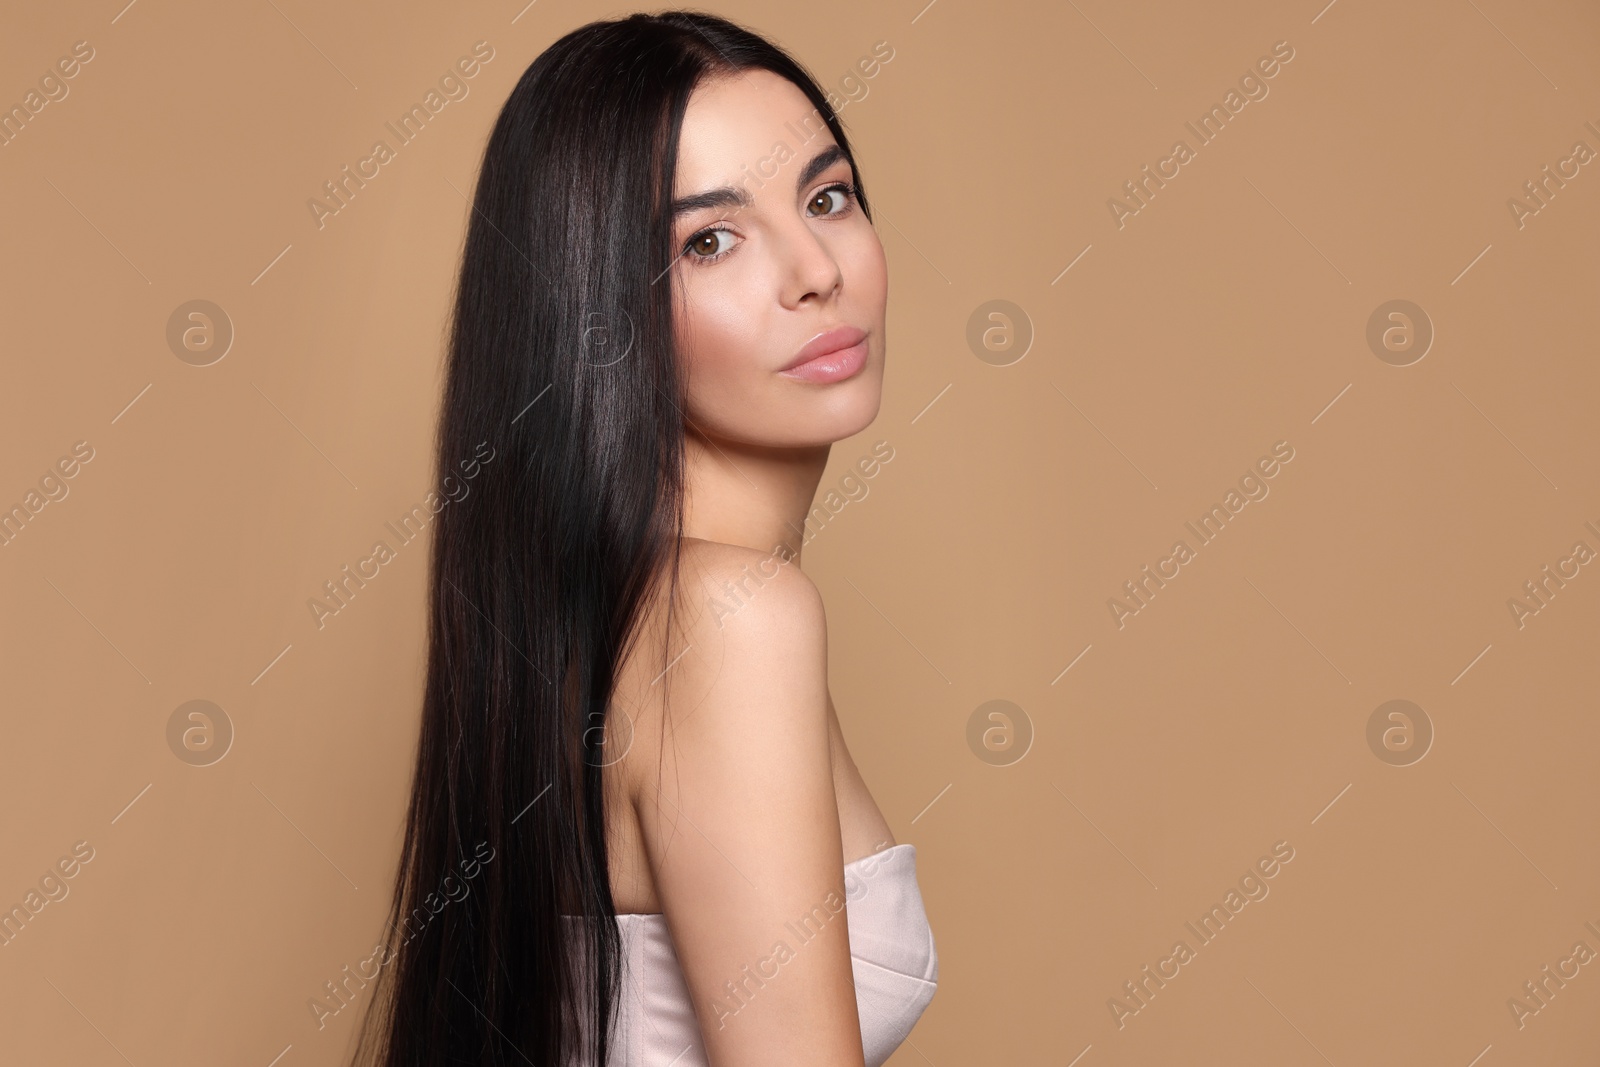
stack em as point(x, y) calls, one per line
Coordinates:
point(835, 365)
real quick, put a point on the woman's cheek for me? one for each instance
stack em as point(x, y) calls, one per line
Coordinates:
point(871, 264)
point(731, 330)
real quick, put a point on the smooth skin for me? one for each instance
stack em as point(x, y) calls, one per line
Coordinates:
point(737, 805)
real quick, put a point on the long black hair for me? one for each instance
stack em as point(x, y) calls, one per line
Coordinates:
point(563, 415)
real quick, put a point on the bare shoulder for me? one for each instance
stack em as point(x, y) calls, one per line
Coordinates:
point(744, 626)
point(749, 597)
point(741, 825)
point(752, 630)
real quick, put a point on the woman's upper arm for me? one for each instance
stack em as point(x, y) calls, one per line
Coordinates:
point(742, 827)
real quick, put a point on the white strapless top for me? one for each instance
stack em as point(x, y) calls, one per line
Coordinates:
point(892, 956)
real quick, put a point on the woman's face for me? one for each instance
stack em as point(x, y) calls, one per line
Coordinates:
point(757, 281)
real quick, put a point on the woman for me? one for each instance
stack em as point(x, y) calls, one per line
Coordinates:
point(671, 303)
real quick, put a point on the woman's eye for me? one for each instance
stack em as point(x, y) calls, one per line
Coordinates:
point(706, 245)
point(824, 198)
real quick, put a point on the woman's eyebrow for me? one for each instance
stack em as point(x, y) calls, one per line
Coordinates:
point(729, 197)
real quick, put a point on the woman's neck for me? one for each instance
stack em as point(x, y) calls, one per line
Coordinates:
point(748, 495)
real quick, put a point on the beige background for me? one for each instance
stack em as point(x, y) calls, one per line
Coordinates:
point(1229, 714)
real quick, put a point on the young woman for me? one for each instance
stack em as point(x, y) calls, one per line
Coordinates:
point(635, 835)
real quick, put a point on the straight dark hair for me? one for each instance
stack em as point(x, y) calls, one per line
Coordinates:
point(562, 362)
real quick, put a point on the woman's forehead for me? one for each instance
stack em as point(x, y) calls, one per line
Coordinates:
point(736, 123)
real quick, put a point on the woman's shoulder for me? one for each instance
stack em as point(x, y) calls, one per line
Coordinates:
point(766, 593)
point(748, 631)
point(726, 559)
point(736, 700)
point(739, 825)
